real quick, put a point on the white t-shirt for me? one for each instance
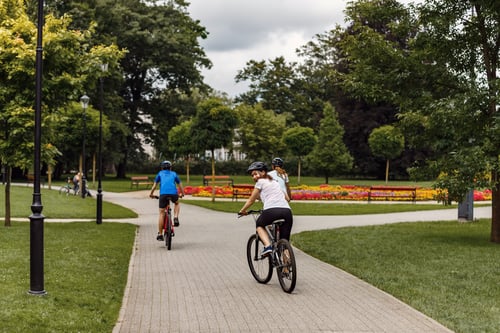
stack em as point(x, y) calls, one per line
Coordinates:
point(282, 179)
point(271, 194)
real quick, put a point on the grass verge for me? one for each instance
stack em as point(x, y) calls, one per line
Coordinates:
point(323, 208)
point(447, 270)
point(85, 275)
point(57, 205)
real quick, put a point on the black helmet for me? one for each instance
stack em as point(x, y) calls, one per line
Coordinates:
point(165, 165)
point(277, 162)
point(259, 166)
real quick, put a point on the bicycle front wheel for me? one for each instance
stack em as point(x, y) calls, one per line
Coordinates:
point(261, 267)
point(286, 267)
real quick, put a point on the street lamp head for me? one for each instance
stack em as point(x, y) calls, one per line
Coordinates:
point(85, 101)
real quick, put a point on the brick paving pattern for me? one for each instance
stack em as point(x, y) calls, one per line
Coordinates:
point(204, 284)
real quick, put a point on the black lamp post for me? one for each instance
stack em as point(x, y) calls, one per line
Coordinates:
point(85, 102)
point(104, 68)
point(37, 218)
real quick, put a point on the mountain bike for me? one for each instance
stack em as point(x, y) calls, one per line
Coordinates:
point(168, 226)
point(282, 257)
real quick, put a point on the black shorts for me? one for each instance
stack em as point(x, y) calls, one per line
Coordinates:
point(270, 215)
point(165, 198)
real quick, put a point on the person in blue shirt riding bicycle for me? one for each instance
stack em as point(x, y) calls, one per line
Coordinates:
point(275, 202)
point(169, 181)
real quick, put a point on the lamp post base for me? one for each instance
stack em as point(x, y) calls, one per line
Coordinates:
point(99, 207)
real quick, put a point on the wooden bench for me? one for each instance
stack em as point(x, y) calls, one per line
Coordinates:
point(388, 192)
point(30, 178)
point(242, 190)
point(224, 180)
point(140, 180)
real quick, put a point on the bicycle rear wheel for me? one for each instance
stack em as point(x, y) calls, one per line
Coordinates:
point(168, 233)
point(261, 267)
point(286, 268)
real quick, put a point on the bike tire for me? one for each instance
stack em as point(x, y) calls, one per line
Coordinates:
point(261, 268)
point(286, 268)
point(168, 234)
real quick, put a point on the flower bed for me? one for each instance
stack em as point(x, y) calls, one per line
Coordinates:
point(332, 192)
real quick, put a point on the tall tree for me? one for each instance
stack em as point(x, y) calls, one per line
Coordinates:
point(443, 77)
point(465, 36)
point(260, 132)
point(212, 128)
point(300, 141)
point(277, 85)
point(387, 142)
point(330, 155)
point(162, 41)
point(179, 139)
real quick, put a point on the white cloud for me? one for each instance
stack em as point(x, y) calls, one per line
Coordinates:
point(240, 31)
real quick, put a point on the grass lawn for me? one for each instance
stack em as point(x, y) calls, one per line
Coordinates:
point(85, 276)
point(322, 208)
point(447, 270)
point(57, 205)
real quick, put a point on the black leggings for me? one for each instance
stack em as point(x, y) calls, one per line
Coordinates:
point(270, 215)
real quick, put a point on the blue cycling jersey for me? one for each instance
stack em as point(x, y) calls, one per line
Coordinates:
point(168, 180)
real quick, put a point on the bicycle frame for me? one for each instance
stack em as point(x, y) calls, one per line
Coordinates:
point(168, 227)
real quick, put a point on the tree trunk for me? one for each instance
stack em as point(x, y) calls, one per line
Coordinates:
point(187, 168)
point(121, 170)
point(495, 209)
point(213, 174)
point(387, 171)
point(8, 171)
point(298, 173)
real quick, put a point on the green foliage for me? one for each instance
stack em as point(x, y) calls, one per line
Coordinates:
point(330, 155)
point(260, 132)
point(69, 63)
point(386, 141)
point(179, 139)
point(213, 125)
point(300, 140)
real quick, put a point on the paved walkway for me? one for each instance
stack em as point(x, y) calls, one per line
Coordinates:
point(204, 285)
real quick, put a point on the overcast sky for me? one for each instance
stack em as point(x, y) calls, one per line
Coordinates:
point(242, 30)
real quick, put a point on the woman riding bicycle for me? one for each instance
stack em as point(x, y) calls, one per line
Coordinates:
point(275, 204)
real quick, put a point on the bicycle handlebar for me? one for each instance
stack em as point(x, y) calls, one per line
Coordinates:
point(252, 211)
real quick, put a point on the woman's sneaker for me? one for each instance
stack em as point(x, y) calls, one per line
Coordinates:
point(176, 222)
point(266, 251)
point(159, 237)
